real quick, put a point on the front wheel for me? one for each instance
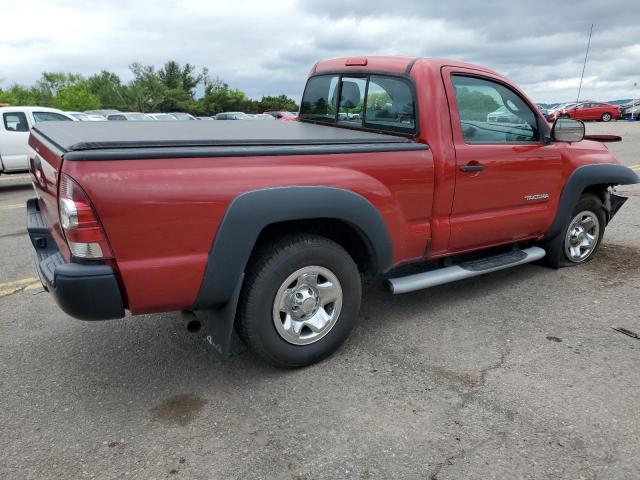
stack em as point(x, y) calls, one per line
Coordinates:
point(606, 117)
point(581, 236)
point(300, 300)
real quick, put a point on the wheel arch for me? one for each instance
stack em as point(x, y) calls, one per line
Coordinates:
point(596, 179)
point(257, 215)
point(347, 235)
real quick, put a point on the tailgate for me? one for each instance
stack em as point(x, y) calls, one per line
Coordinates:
point(45, 165)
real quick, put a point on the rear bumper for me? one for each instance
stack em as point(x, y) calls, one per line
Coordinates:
point(84, 291)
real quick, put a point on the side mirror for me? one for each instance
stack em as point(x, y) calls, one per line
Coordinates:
point(567, 130)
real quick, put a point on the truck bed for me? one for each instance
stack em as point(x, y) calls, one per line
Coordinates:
point(113, 140)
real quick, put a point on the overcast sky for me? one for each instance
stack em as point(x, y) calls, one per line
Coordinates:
point(267, 47)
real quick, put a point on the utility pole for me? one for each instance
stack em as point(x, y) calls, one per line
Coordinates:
point(584, 65)
point(633, 102)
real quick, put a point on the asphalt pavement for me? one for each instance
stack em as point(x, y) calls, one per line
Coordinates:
point(515, 374)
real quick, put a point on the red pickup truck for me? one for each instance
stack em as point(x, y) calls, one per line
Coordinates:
point(267, 227)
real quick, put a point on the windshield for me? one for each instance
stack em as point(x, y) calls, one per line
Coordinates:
point(182, 116)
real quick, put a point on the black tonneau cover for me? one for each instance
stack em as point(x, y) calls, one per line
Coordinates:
point(127, 140)
point(78, 136)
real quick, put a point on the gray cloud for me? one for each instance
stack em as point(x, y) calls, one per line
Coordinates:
point(268, 47)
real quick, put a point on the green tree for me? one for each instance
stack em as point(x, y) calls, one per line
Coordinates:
point(281, 102)
point(171, 88)
point(148, 90)
point(176, 77)
point(50, 83)
point(76, 97)
point(20, 95)
point(218, 97)
point(108, 87)
point(55, 81)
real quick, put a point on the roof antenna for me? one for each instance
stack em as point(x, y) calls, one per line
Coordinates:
point(584, 65)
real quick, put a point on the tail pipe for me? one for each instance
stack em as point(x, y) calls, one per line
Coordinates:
point(190, 321)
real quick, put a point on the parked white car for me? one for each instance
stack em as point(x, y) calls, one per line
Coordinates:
point(183, 116)
point(102, 112)
point(87, 117)
point(129, 116)
point(15, 124)
point(162, 117)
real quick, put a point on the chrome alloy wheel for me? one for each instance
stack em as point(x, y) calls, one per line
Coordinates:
point(307, 305)
point(582, 236)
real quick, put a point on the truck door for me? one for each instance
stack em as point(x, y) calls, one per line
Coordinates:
point(14, 135)
point(507, 179)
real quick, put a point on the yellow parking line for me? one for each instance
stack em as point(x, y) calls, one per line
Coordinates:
point(22, 281)
point(11, 207)
point(635, 167)
point(15, 286)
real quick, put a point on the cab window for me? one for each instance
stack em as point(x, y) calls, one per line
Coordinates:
point(15, 122)
point(49, 117)
point(352, 92)
point(319, 100)
point(390, 104)
point(492, 113)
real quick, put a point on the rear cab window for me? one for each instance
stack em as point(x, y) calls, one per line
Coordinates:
point(368, 101)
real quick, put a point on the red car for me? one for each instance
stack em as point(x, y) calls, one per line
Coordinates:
point(282, 115)
point(268, 227)
point(590, 110)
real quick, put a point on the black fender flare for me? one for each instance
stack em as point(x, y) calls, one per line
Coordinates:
point(249, 213)
point(581, 178)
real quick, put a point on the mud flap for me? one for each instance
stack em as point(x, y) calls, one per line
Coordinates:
point(217, 327)
point(613, 203)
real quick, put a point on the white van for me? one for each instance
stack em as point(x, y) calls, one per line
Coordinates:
point(15, 124)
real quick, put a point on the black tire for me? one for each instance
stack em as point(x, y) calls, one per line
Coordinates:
point(269, 268)
point(557, 256)
point(606, 117)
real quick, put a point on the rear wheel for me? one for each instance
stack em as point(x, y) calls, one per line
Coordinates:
point(581, 236)
point(300, 301)
point(606, 117)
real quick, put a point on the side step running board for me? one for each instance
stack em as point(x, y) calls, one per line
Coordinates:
point(463, 270)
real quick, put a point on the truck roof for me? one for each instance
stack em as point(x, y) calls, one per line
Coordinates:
point(393, 63)
point(86, 136)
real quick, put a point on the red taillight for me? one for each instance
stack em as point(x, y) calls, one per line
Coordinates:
point(82, 229)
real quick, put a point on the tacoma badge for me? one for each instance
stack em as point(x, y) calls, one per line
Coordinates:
point(536, 196)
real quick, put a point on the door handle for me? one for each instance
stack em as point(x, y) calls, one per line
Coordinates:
point(472, 167)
